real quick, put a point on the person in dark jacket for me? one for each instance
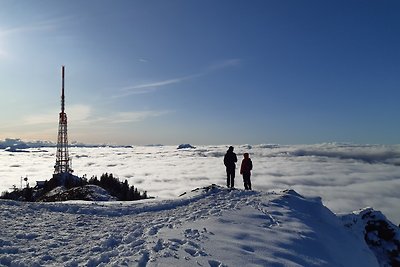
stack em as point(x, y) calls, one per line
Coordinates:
point(245, 170)
point(229, 161)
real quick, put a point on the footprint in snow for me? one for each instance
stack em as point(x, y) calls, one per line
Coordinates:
point(154, 230)
point(192, 252)
point(214, 263)
point(159, 246)
point(247, 248)
point(179, 241)
point(195, 252)
point(192, 234)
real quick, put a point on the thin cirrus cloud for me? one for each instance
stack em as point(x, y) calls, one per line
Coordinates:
point(15, 33)
point(153, 86)
point(82, 114)
point(34, 26)
point(225, 64)
point(28, 28)
point(3, 52)
point(127, 117)
point(77, 112)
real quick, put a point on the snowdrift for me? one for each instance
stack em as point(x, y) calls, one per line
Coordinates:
point(210, 226)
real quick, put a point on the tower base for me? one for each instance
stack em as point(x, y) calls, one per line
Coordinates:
point(66, 179)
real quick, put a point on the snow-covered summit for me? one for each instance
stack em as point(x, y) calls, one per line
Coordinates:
point(210, 226)
point(87, 192)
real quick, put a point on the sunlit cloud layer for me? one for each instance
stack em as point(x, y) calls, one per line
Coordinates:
point(347, 177)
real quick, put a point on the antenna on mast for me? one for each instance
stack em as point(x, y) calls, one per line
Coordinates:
point(62, 91)
point(63, 162)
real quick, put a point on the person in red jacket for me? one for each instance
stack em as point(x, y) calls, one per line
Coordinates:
point(245, 170)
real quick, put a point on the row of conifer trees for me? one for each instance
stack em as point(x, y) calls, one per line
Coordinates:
point(120, 190)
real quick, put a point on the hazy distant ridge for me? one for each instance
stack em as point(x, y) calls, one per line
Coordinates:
point(16, 143)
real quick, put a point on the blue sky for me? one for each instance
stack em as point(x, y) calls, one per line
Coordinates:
point(202, 72)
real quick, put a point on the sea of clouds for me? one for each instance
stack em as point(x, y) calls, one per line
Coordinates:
point(346, 176)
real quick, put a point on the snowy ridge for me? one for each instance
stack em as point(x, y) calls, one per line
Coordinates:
point(210, 226)
point(382, 236)
point(18, 145)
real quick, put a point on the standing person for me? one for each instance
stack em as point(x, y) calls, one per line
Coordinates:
point(245, 170)
point(229, 161)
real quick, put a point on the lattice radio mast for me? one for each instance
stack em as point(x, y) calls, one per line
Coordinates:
point(63, 162)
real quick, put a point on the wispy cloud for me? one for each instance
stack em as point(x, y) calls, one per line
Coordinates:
point(84, 115)
point(14, 33)
point(44, 25)
point(156, 84)
point(122, 117)
point(3, 53)
point(78, 112)
point(152, 86)
point(134, 116)
point(233, 62)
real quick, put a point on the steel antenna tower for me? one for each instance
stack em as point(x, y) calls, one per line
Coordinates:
point(63, 162)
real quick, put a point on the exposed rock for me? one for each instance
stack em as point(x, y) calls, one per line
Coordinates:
point(183, 146)
point(381, 235)
point(87, 192)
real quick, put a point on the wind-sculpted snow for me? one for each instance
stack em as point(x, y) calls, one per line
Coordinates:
point(347, 176)
point(211, 226)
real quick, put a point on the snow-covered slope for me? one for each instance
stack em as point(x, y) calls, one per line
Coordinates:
point(212, 226)
point(382, 236)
